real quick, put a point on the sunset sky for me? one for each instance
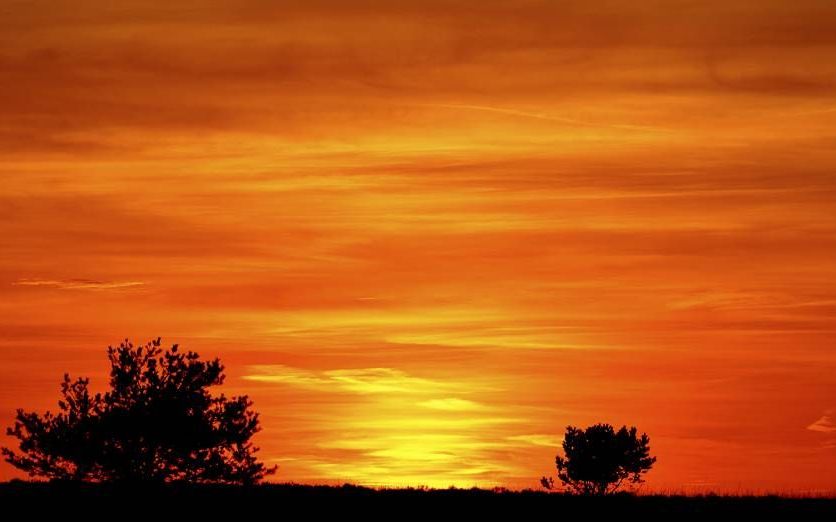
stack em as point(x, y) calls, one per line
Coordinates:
point(425, 236)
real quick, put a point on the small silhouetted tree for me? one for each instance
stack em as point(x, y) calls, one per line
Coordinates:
point(157, 423)
point(599, 460)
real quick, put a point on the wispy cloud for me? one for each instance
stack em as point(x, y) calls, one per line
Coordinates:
point(825, 423)
point(452, 404)
point(78, 284)
point(537, 439)
point(356, 380)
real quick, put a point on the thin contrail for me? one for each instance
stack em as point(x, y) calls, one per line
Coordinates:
point(542, 116)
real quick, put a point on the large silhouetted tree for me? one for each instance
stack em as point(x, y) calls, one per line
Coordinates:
point(157, 423)
point(599, 460)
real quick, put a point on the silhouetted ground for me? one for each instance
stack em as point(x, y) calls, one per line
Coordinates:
point(296, 502)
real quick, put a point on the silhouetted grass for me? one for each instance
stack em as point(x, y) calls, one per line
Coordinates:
point(298, 502)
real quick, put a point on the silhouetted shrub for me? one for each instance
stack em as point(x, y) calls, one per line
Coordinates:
point(158, 423)
point(598, 460)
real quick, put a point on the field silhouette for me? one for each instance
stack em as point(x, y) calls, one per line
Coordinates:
point(269, 501)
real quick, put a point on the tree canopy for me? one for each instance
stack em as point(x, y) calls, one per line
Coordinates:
point(599, 460)
point(157, 423)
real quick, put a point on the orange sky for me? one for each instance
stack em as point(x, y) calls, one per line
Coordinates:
point(425, 236)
